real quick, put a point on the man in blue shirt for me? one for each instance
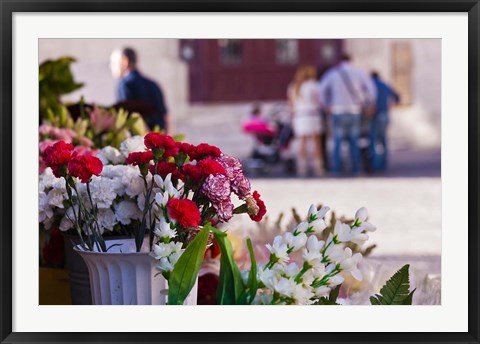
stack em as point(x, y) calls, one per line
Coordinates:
point(378, 133)
point(138, 91)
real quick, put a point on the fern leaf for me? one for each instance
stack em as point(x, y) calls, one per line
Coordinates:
point(396, 290)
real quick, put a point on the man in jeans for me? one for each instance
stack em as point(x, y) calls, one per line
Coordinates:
point(348, 91)
point(378, 134)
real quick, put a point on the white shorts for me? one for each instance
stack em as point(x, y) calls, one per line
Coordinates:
point(306, 125)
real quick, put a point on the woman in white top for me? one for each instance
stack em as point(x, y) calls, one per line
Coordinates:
point(304, 101)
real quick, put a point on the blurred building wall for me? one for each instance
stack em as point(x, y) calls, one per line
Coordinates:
point(157, 59)
point(413, 67)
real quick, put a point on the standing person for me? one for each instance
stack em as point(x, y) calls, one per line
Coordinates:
point(350, 91)
point(324, 136)
point(304, 102)
point(386, 96)
point(134, 88)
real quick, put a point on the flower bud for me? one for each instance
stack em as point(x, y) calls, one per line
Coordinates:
point(361, 214)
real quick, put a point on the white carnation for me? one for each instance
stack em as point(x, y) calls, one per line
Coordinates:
point(133, 183)
point(132, 144)
point(47, 179)
point(103, 192)
point(110, 155)
point(126, 211)
point(56, 197)
point(44, 209)
point(106, 219)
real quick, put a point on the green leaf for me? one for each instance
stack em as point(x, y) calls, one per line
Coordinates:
point(334, 293)
point(332, 297)
point(396, 290)
point(409, 299)
point(184, 274)
point(231, 290)
point(252, 275)
point(323, 301)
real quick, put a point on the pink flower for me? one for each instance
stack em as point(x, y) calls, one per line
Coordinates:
point(82, 150)
point(216, 188)
point(224, 210)
point(85, 141)
point(231, 165)
point(102, 120)
point(241, 185)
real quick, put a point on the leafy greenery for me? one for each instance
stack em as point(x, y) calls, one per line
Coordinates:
point(185, 272)
point(396, 291)
point(331, 299)
point(252, 284)
point(55, 80)
point(230, 286)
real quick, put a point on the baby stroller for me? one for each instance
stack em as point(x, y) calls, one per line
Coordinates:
point(273, 136)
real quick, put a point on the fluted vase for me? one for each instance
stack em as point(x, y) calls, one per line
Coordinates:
point(123, 276)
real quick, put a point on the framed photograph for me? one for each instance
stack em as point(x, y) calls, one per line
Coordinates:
point(212, 172)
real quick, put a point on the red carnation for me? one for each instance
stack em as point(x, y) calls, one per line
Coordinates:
point(58, 155)
point(184, 211)
point(209, 166)
point(161, 141)
point(193, 172)
point(185, 148)
point(137, 158)
point(262, 210)
point(164, 168)
point(204, 150)
point(84, 167)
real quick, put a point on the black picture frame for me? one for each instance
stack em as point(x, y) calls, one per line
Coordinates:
point(9, 7)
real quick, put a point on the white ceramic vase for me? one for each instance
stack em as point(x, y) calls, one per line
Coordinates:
point(122, 276)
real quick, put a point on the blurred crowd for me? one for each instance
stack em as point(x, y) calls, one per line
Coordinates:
point(340, 104)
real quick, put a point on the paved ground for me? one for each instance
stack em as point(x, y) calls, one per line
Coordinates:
point(407, 211)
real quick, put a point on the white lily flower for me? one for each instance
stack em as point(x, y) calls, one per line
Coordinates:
point(285, 286)
point(335, 253)
point(164, 265)
point(335, 280)
point(158, 181)
point(342, 231)
point(350, 264)
point(317, 272)
point(268, 277)
point(322, 212)
point(368, 227)
point(301, 227)
point(294, 242)
point(279, 249)
point(163, 230)
point(317, 214)
point(302, 294)
point(318, 226)
point(322, 291)
point(291, 270)
point(263, 299)
point(312, 210)
point(312, 254)
point(361, 214)
point(162, 250)
point(161, 199)
point(357, 237)
point(173, 258)
point(171, 191)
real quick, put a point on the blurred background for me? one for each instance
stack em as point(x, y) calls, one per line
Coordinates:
point(211, 86)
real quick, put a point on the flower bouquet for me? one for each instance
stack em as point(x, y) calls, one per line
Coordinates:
point(171, 191)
